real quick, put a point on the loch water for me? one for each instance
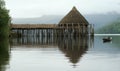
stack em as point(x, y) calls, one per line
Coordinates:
point(60, 54)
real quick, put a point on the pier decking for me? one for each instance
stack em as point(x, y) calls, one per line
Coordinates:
point(33, 26)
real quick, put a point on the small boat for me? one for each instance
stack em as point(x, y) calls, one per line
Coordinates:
point(107, 39)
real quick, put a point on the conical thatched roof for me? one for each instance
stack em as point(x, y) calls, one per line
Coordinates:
point(74, 17)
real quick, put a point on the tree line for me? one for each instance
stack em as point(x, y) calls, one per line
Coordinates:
point(4, 20)
point(113, 28)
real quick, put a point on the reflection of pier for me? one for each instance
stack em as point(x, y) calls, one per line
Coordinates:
point(73, 48)
point(34, 41)
point(73, 24)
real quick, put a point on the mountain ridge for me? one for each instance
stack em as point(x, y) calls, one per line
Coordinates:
point(99, 20)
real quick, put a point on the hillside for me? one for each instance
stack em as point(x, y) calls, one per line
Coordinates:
point(113, 28)
point(99, 20)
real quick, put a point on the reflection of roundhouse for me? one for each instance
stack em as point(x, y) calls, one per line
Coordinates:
point(74, 23)
point(73, 48)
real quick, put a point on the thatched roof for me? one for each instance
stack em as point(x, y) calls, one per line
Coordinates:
point(74, 17)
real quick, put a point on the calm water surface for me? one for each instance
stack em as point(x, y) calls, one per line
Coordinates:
point(60, 54)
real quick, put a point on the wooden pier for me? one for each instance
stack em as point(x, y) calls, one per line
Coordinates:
point(49, 30)
point(72, 25)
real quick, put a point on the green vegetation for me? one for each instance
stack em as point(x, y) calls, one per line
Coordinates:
point(113, 28)
point(4, 20)
point(4, 53)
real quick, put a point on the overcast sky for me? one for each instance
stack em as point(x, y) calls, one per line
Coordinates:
point(37, 8)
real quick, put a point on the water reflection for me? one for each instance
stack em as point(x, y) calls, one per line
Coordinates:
point(33, 41)
point(4, 54)
point(73, 48)
point(63, 54)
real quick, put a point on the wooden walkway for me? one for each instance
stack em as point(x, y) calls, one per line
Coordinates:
point(41, 26)
point(50, 30)
point(33, 26)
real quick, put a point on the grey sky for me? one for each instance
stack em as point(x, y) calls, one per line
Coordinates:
point(37, 8)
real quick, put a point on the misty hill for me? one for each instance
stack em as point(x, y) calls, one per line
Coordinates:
point(99, 20)
point(113, 28)
point(50, 19)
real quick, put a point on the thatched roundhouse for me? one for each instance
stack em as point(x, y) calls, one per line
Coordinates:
point(74, 23)
point(73, 17)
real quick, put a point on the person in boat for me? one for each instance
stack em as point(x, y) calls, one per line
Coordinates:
point(107, 39)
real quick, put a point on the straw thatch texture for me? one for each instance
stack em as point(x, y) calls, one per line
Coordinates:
point(73, 17)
